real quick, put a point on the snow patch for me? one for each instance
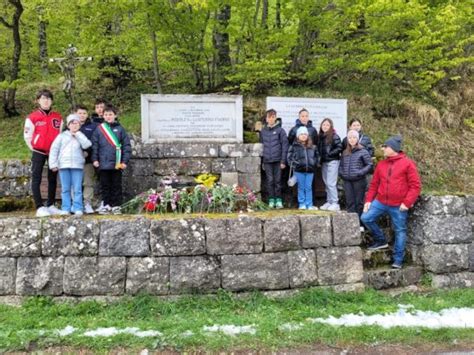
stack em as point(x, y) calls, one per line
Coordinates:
point(66, 331)
point(446, 318)
point(109, 332)
point(230, 329)
point(289, 327)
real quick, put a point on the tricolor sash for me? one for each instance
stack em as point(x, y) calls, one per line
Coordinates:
point(113, 140)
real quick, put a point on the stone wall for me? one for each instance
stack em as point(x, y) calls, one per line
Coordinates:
point(15, 178)
point(440, 238)
point(90, 257)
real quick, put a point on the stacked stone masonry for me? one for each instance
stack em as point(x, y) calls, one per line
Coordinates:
point(129, 255)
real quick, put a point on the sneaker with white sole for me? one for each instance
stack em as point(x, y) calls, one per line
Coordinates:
point(333, 207)
point(100, 207)
point(88, 209)
point(312, 208)
point(116, 210)
point(63, 213)
point(302, 207)
point(78, 213)
point(105, 209)
point(54, 211)
point(42, 212)
point(325, 206)
point(362, 229)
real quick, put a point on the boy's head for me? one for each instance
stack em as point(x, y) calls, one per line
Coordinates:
point(81, 111)
point(303, 115)
point(44, 98)
point(110, 114)
point(270, 118)
point(99, 106)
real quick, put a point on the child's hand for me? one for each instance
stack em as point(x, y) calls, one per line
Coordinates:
point(282, 166)
point(54, 169)
point(123, 166)
point(85, 154)
point(96, 164)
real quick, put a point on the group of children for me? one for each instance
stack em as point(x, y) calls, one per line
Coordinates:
point(306, 149)
point(86, 147)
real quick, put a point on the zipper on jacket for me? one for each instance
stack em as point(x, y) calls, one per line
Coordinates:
point(389, 175)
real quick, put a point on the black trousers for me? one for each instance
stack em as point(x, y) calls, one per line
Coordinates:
point(273, 179)
point(355, 193)
point(111, 187)
point(37, 163)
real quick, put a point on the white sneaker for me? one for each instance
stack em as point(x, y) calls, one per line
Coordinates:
point(54, 211)
point(302, 207)
point(78, 213)
point(312, 208)
point(325, 206)
point(88, 209)
point(334, 207)
point(362, 229)
point(117, 210)
point(100, 207)
point(63, 213)
point(42, 212)
point(105, 209)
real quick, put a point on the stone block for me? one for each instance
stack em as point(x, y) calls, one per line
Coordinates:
point(184, 166)
point(240, 150)
point(249, 164)
point(7, 276)
point(188, 150)
point(281, 233)
point(39, 276)
point(303, 268)
point(441, 229)
point(442, 205)
point(461, 280)
point(339, 265)
point(242, 235)
point(177, 237)
point(267, 271)
point(141, 167)
point(92, 276)
point(131, 188)
point(315, 231)
point(20, 237)
point(20, 188)
point(444, 258)
point(2, 168)
point(471, 257)
point(346, 229)
point(229, 179)
point(390, 278)
point(226, 165)
point(251, 181)
point(148, 275)
point(71, 236)
point(415, 252)
point(15, 169)
point(141, 151)
point(194, 273)
point(4, 188)
point(470, 204)
point(124, 237)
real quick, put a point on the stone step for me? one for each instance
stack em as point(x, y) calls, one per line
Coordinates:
point(383, 257)
point(386, 277)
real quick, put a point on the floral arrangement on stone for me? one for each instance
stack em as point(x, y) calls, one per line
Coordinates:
point(205, 197)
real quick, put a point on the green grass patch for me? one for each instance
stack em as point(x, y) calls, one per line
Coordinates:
point(20, 327)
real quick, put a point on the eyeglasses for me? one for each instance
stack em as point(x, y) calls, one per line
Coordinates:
point(384, 146)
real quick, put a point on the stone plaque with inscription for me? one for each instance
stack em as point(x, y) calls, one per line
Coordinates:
point(192, 118)
point(288, 107)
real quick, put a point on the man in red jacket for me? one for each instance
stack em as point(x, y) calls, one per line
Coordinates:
point(41, 128)
point(394, 189)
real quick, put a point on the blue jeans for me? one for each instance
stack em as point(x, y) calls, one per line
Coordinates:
point(399, 221)
point(71, 181)
point(305, 191)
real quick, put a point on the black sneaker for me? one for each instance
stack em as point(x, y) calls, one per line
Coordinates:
point(396, 266)
point(377, 246)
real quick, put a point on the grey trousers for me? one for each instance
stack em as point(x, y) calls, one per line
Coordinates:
point(330, 171)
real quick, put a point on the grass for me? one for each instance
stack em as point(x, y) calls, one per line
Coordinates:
point(19, 327)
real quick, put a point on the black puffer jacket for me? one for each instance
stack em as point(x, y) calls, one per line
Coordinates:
point(302, 159)
point(312, 133)
point(329, 152)
point(364, 141)
point(355, 166)
point(88, 128)
point(275, 144)
point(104, 152)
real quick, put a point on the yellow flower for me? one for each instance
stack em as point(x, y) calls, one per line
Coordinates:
point(207, 180)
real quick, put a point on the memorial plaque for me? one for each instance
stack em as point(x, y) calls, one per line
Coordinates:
point(192, 118)
point(288, 107)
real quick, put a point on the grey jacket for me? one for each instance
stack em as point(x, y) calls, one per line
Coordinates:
point(66, 151)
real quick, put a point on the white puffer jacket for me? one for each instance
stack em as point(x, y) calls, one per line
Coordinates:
point(67, 151)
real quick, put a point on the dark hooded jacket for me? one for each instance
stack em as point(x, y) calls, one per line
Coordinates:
point(332, 151)
point(104, 152)
point(312, 133)
point(301, 158)
point(275, 144)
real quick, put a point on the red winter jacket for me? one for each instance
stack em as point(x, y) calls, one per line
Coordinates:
point(395, 181)
point(41, 129)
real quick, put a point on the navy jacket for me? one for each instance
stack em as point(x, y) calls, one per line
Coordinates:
point(364, 141)
point(329, 152)
point(104, 152)
point(275, 144)
point(88, 128)
point(355, 166)
point(303, 159)
point(312, 133)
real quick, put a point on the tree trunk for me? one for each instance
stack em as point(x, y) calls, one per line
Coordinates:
point(278, 14)
point(42, 42)
point(264, 13)
point(156, 68)
point(9, 104)
point(255, 16)
point(221, 61)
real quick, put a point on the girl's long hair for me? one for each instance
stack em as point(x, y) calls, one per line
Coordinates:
point(329, 133)
point(349, 149)
point(307, 144)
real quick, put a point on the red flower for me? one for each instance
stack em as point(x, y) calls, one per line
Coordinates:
point(150, 206)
